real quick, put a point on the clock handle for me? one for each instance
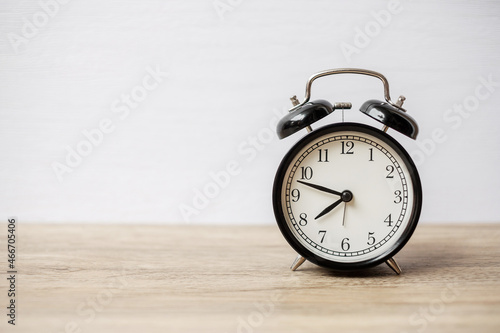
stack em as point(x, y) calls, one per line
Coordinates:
point(348, 71)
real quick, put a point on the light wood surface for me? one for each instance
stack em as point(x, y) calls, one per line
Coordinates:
point(113, 278)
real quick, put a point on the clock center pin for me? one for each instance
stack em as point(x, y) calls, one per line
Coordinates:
point(347, 196)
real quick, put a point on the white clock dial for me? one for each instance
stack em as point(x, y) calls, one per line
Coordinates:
point(348, 196)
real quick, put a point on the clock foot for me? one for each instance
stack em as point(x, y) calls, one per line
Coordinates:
point(393, 265)
point(297, 262)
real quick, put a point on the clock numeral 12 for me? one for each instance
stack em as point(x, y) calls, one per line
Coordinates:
point(371, 155)
point(349, 145)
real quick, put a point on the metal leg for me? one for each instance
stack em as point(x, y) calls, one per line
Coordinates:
point(297, 262)
point(393, 265)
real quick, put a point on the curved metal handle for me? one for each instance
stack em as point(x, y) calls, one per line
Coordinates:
point(347, 71)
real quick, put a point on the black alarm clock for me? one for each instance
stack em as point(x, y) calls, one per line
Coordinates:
point(347, 195)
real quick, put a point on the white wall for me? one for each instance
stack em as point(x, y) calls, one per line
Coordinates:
point(229, 74)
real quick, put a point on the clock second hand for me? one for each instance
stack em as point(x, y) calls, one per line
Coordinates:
point(343, 216)
point(346, 197)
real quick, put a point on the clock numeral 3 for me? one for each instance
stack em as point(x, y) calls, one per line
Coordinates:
point(307, 173)
point(349, 145)
point(398, 198)
point(303, 219)
point(323, 155)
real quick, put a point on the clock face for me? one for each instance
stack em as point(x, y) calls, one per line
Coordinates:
point(347, 196)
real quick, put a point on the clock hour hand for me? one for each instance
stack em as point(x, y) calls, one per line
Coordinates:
point(321, 188)
point(329, 208)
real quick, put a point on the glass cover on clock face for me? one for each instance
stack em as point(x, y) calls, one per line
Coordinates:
point(348, 196)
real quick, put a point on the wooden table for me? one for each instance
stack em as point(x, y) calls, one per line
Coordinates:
point(113, 278)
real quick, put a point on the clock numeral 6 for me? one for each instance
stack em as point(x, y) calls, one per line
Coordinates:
point(398, 198)
point(303, 219)
point(349, 145)
point(306, 172)
point(371, 239)
point(295, 195)
point(345, 245)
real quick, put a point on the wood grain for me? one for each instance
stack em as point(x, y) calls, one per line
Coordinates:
point(115, 278)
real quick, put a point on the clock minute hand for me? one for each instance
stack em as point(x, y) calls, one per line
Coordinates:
point(321, 188)
point(329, 208)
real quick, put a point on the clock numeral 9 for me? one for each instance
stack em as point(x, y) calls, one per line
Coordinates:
point(303, 219)
point(345, 245)
point(306, 173)
point(295, 195)
point(349, 145)
point(371, 239)
point(398, 198)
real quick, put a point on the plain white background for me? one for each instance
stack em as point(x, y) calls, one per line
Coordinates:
point(67, 67)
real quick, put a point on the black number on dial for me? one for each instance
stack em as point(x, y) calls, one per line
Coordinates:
point(345, 245)
point(307, 173)
point(371, 239)
point(388, 220)
point(323, 236)
point(390, 168)
point(303, 219)
point(349, 145)
point(295, 195)
point(323, 155)
point(398, 199)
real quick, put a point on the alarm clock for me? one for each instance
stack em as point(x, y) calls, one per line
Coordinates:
point(347, 195)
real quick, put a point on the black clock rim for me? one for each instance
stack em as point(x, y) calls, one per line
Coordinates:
point(279, 212)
